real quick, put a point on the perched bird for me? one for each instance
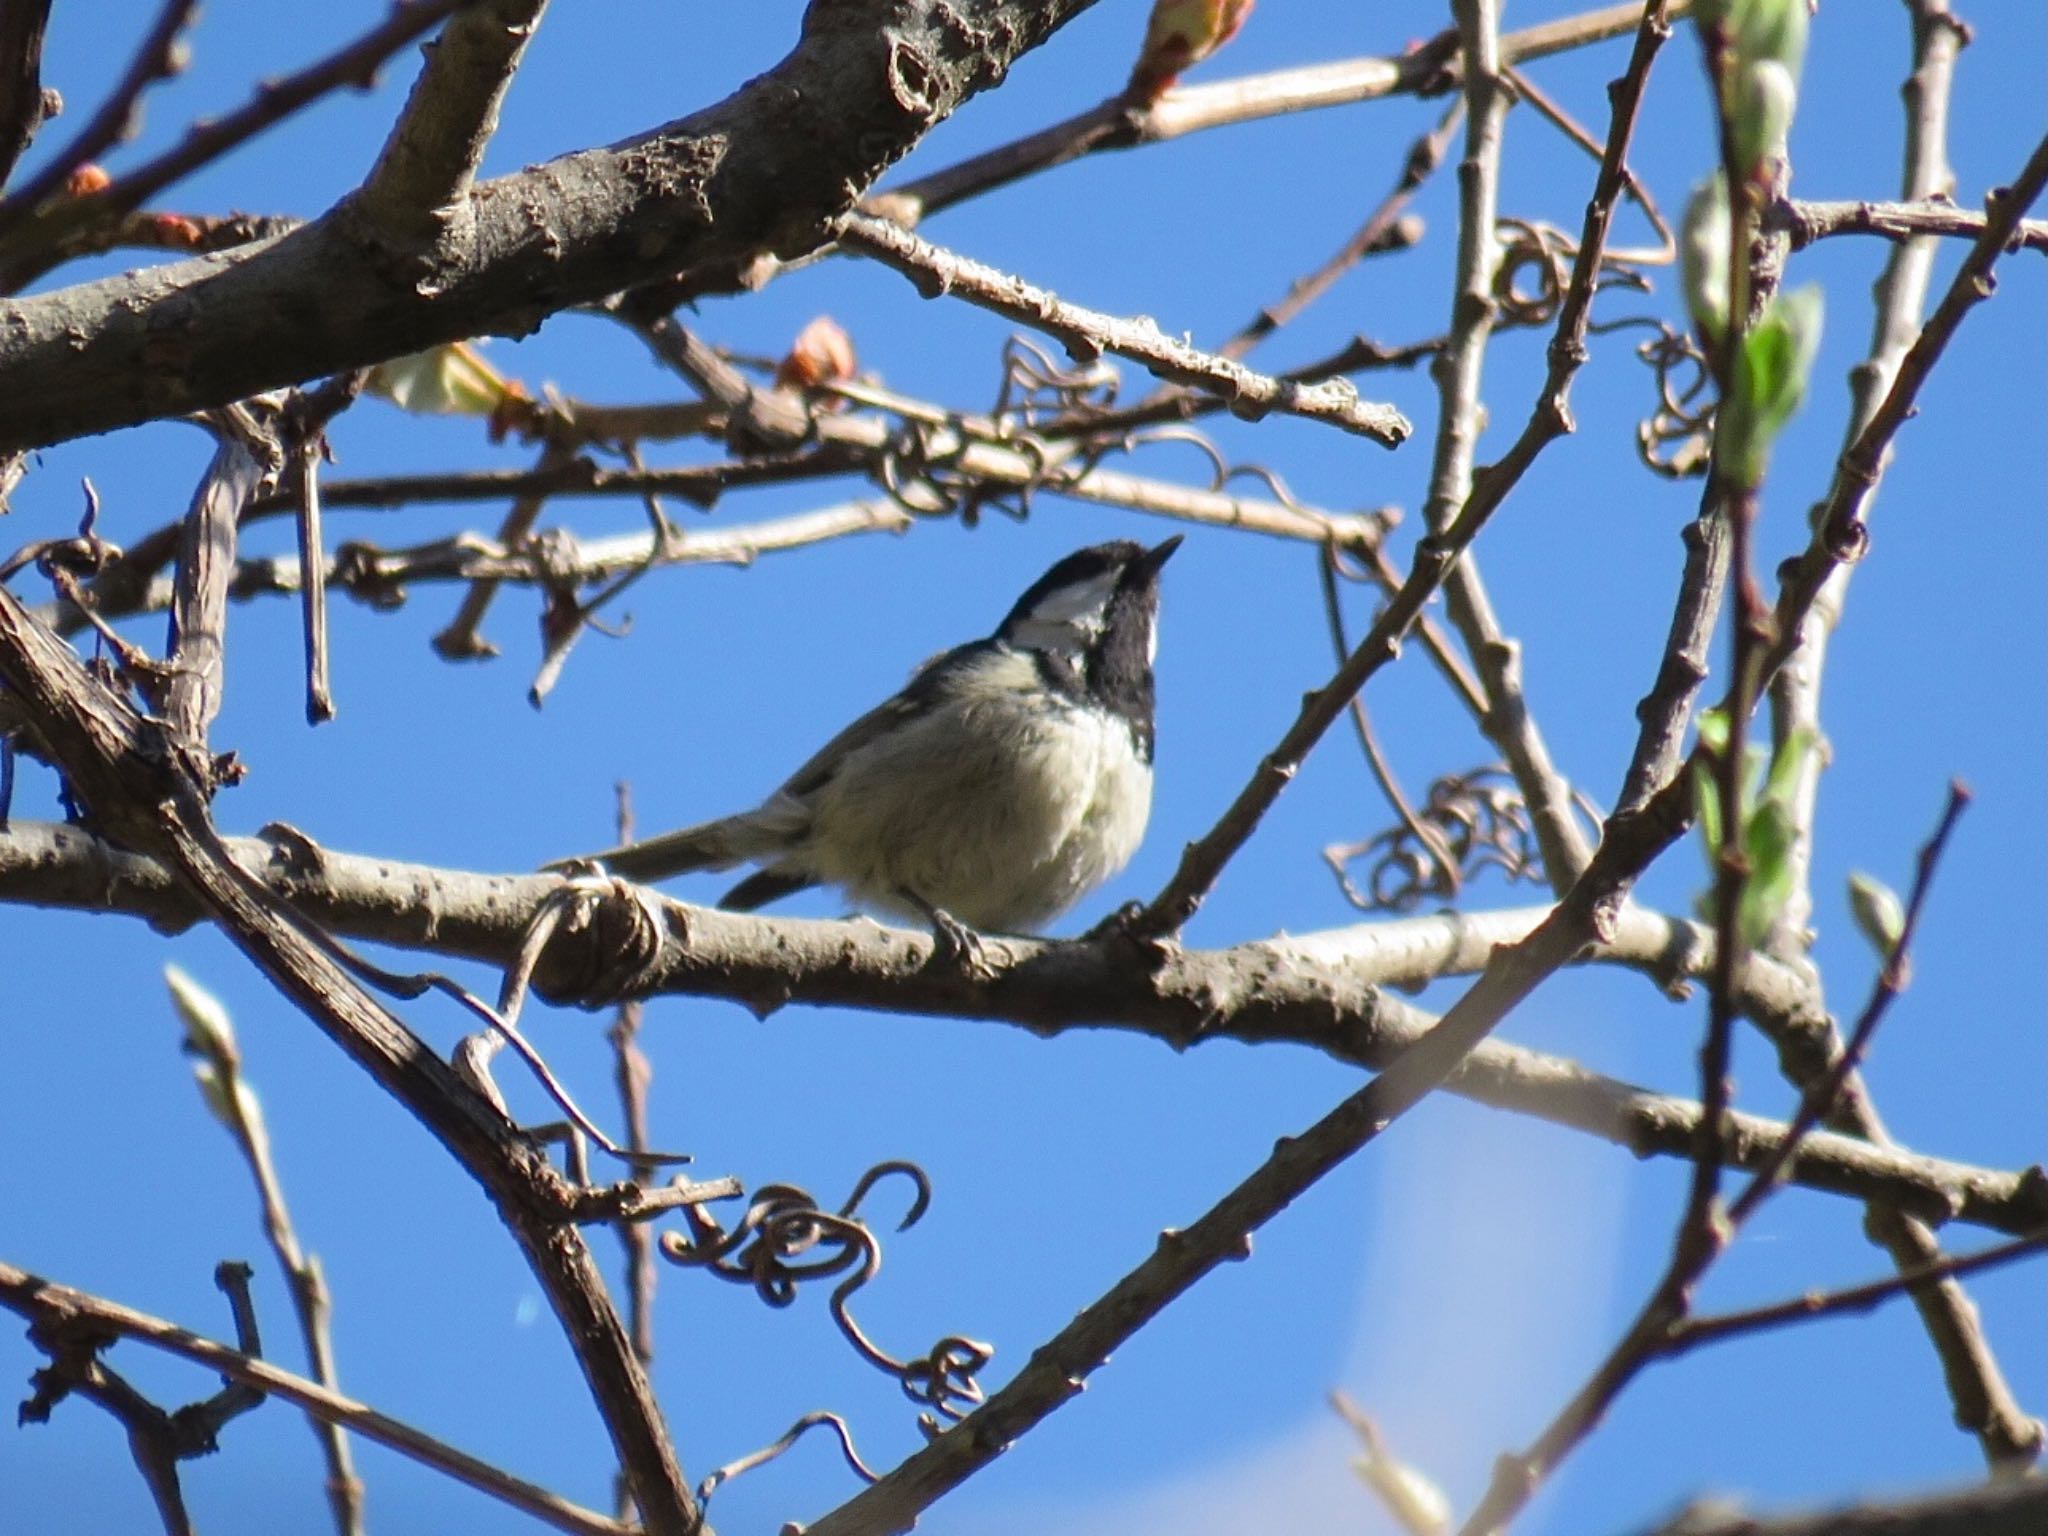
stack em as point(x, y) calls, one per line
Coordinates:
point(1011, 776)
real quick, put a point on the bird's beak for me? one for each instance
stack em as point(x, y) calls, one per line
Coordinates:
point(1148, 563)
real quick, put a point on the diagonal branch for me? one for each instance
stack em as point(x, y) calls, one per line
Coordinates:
point(1984, 1402)
point(1088, 333)
point(120, 764)
point(767, 169)
point(430, 160)
point(23, 107)
point(1116, 124)
point(51, 1305)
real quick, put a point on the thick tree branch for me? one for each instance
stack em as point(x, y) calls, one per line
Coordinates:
point(764, 171)
point(1318, 990)
point(22, 105)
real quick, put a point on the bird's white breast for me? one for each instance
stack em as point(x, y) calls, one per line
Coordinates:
point(1004, 805)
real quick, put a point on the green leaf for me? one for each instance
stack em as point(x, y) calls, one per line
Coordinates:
point(1783, 782)
point(1768, 841)
point(1768, 31)
point(1771, 371)
point(1764, 97)
point(1880, 915)
point(1706, 807)
point(1712, 726)
point(1703, 257)
point(451, 380)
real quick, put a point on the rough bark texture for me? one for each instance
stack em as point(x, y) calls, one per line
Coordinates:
point(761, 173)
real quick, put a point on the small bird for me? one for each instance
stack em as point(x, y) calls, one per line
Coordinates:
point(1011, 776)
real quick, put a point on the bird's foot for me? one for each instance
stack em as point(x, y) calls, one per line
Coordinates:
point(954, 944)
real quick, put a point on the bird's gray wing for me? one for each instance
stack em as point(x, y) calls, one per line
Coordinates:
point(926, 690)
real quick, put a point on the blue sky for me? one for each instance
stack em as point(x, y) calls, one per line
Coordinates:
point(1460, 1277)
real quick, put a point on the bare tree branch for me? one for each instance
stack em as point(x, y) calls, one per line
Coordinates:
point(51, 233)
point(751, 174)
point(52, 1305)
point(430, 160)
point(1323, 991)
point(155, 57)
point(1988, 1509)
point(1117, 124)
point(1087, 333)
point(1924, 214)
point(22, 105)
point(119, 764)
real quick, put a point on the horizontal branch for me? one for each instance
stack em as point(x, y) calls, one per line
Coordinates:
point(381, 576)
point(1323, 991)
point(1118, 123)
point(1807, 222)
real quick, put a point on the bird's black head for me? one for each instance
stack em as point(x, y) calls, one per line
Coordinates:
point(1092, 619)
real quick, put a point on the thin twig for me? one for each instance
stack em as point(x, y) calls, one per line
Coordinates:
point(155, 58)
point(1507, 722)
point(1692, 1332)
point(1088, 333)
point(632, 1071)
point(1839, 533)
point(59, 1306)
point(1424, 156)
point(35, 251)
point(460, 639)
point(1701, 1241)
point(1430, 837)
point(236, 1106)
point(1922, 214)
point(1115, 124)
point(1892, 976)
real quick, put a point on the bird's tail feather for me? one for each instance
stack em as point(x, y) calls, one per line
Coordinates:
point(710, 845)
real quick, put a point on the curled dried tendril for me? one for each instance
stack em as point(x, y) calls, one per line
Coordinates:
point(1536, 268)
point(785, 1238)
point(768, 1453)
point(1036, 390)
point(1480, 821)
point(1676, 439)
